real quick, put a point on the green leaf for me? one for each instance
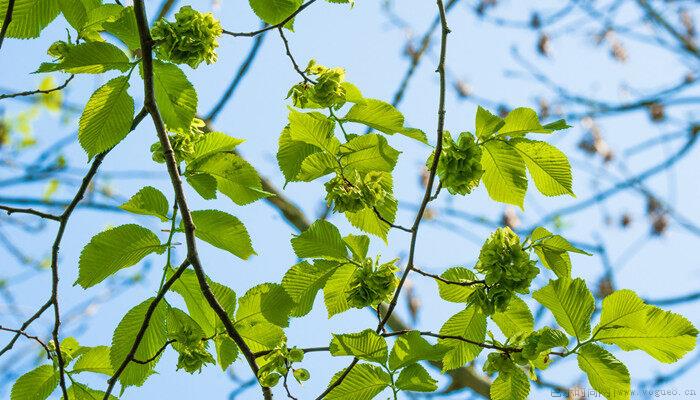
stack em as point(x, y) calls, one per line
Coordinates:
point(548, 166)
point(274, 11)
point(622, 308)
point(314, 129)
point(504, 173)
point(226, 351)
point(153, 339)
point(378, 115)
point(96, 359)
point(416, 379)
point(97, 18)
point(521, 121)
point(78, 391)
point(553, 250)
point(365, 345)
point(358, 245)
point(204, 184)
point(557, 125)
point(470, 324)
point(235, 177)
point(303, 281)
point(29, 17)
point(114, 249)
point(90, 58)
point(666, 336)
point(369, 152)
point(411, 347)
point(321, 240)
point(37, 384)
point(224, 231)
point(363, 382)
point(315, 166)
point(212, 143)
point(516, 319)
point(124, 28)
point(265, 302)
point(180, 324)
point(148, 201)
point(187, 286)
point(486, 123)
point(510, 385)
point(571, 303)
point(107, 117)
point(175, 96)
point(75, 11)
point(335, 291)
point(416, 134)
point(607, 375)
point(291, 153)
point(261, 335)
point(456, 293)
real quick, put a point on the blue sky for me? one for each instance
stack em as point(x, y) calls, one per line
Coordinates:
point(371, 50)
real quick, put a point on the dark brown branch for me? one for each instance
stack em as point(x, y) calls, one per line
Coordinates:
point(28, 336)
point(447, 281)
point(291, 57)
point(8, 19)
point(460, 338)
point(267, 28)
point(173, 172)
point(12, 210)
point(38, 91)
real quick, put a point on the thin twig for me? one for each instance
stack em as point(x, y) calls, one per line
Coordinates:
point(38, 91)
point(173, 172)
point(267, 28)
point(426, 195)
point(28, 336)
point(12, 210)
point(447, 281)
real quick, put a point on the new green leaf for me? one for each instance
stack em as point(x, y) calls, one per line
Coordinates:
point(148, 201)
point(415, 378)
point(469, 324)
point(321, 240)
point(607, 375)
point(37, 384)
point(107, 117)
point(504, 173)
point(114, 249)
point(571, 303)
point(366, 345)
point(363, 382)
point(224, 231)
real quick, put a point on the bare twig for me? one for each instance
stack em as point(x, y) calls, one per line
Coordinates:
point(38, 91)
point(267, 28)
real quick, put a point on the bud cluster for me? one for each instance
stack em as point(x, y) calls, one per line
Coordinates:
point(277, 363)
point(459, 168)
point(507, 269)
point(327, 91)
point(191, 39)
point(182, 141)
point(192, 351)
point(372, 283)
point(353, 196)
